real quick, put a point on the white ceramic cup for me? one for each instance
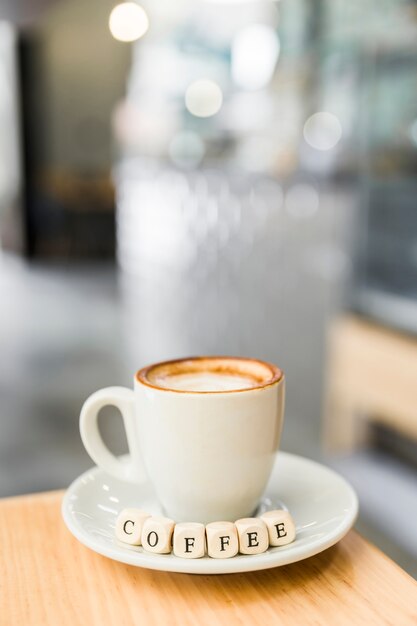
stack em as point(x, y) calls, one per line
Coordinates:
point(208, 454)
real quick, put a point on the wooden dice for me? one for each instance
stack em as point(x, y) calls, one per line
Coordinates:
point(253, 535)
point(189, 540)
point(222, 540)
point(129, 526)
point(157, 534)
point(281, 527)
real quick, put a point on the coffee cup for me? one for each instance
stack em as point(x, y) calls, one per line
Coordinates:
point(206, 430)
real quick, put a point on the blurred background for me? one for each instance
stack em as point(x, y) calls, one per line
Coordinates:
point(213, 177)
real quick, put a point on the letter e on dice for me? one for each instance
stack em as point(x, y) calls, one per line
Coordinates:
point(281, 527)
point(253, 535)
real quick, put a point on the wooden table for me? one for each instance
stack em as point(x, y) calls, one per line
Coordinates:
point(48, 578)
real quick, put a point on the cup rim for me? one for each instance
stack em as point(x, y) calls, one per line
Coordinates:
point(277, 375)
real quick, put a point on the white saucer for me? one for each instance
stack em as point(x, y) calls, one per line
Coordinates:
point(323, 505)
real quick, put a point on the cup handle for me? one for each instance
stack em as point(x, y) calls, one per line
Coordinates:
point(124, 399)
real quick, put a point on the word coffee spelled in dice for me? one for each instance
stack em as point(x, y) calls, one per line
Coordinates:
point(222, 540)
point(189, 540)
point(157, 534)
point(129, 526)
point(281, 527)
point(253, 535)
point(192, 540)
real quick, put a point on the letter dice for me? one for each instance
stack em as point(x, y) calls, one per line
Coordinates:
point(189, 540)
point(281, 527)
point(253, 535)
point(129, 525)
point(157, 534)
point(222, 540)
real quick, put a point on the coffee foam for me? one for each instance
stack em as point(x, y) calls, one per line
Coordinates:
point(210, 374)
point(204, 381)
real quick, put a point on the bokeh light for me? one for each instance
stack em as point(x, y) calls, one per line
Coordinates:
point(128, 21)
point(203, 98)
point(255, 51)
point(322, 130)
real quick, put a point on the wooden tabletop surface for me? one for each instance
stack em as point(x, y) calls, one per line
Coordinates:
point(48, 578)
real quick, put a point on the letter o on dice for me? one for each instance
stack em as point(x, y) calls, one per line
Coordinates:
point(129, 526)
point(189, 540)
point(157, 534)
point(253, 535)
point(222, 541)
point(281, 527)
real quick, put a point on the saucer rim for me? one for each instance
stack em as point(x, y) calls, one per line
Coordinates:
point(273, 557)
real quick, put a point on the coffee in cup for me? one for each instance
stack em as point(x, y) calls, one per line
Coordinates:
point(206, 429)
